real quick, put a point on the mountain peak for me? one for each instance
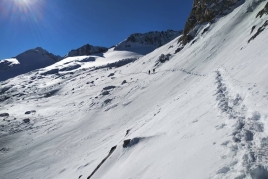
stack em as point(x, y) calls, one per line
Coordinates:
point(27, 61)
point(86, 50)
point(40, 49)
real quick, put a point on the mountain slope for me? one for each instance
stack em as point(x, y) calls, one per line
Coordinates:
point(202, 114)
point(25, 62)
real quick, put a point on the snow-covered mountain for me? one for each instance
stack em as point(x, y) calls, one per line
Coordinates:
point(201, 114)
point(147, 42)
point(86, 50)
point(25, 62)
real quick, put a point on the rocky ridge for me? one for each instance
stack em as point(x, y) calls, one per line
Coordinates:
point(153, 38)
point(86, 50)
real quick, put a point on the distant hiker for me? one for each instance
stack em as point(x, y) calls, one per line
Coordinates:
point(153, 70)
point(149, 72)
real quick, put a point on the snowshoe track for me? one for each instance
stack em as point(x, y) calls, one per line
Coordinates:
point(249, 144)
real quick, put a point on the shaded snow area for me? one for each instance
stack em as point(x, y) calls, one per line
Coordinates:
point(201, 114)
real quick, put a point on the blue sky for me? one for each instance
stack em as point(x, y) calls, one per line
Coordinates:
point(62, 25)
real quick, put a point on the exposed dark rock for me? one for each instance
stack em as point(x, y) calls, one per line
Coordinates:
point(162, 59)
point(30, 112)
point(107, 101)
point(4, 115)
point(50, 72)
point(117, 64)
point(4, 149)
point(125, 81)
point(89, 59)
point(127, 132)
point(205, 11)
point(263, 11)
point(131, 142)
point(71, 67)
point(111, 74)
point(178, 49)
point(26, 120)
point(260, 30)
point(205, 30)
point(109, 87)
point(126, 143)
point(92, 82)
point(104, 93)
point(110, 153)
point(252, 29)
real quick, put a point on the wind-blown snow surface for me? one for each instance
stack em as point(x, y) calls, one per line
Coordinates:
point(202, 114)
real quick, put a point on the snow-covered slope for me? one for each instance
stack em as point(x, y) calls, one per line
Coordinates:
point(201, 114)
point(109, 59)
point(25, 62)
point(147, 42)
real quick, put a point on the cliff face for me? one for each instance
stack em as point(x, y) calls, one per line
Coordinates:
point(205, 11)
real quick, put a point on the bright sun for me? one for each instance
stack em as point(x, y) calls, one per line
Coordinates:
point(28, 11)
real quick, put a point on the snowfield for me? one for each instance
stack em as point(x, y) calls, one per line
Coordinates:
point(201, 114)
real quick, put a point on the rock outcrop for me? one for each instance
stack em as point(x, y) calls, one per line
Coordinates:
point(204, 11)
point(263, 11)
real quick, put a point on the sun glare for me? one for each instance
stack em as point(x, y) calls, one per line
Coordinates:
point(24, 2)
point(15, 10)
point(24, 5)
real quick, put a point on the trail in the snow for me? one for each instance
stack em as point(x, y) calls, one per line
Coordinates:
point(173, 70)
point(248, 145)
